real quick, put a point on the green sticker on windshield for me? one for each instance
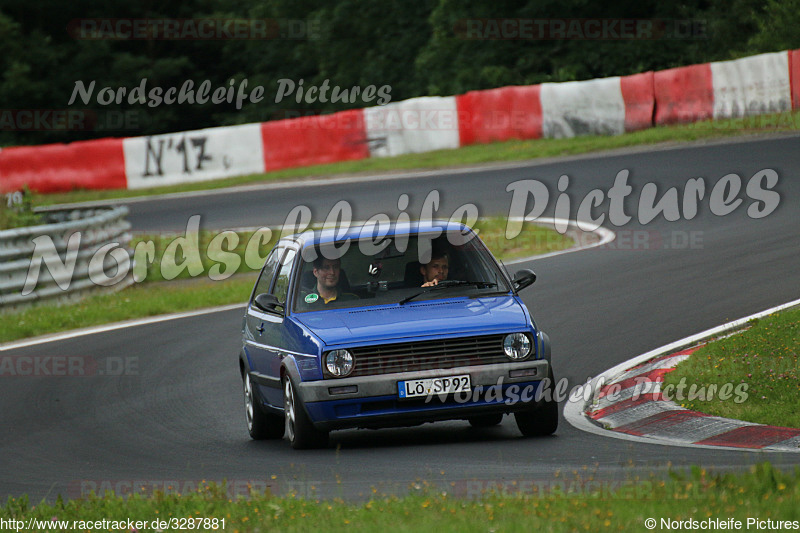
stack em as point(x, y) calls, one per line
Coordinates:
point(311, 298)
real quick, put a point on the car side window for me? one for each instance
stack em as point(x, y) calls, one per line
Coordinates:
point(268, 272)
point(282, 282)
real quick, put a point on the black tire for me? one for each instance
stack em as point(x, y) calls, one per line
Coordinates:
point(541, 420)
point(260, 425)
point(485, 421)
point(300, 431)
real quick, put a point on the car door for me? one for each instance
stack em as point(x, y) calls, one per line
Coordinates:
point(275, 331)
point(261, 345)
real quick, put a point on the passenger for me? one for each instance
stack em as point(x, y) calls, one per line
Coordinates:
point(435, 270)
point(326, 290)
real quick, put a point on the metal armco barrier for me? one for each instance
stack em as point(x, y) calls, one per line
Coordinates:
point(96, 228)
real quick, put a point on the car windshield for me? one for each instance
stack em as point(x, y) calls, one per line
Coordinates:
point(398, 269)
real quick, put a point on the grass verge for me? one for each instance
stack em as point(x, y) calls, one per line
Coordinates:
point(16, 211)
point(475, 154)
point(181, 292)
point(688, 501)
point(765, 358)
point(138, 301)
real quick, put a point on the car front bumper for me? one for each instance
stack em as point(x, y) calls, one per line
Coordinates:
point(374, 400)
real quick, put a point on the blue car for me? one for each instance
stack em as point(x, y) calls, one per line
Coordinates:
point(384, 326)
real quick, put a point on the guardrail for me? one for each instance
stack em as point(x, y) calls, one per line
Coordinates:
point(97, 228)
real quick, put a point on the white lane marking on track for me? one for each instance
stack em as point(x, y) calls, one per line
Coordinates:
point(606, 236)
point(574, 411)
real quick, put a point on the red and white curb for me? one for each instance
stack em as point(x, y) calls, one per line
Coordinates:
point(628, 403)
point(634, 404)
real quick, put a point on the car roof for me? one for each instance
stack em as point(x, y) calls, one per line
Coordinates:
point(360, 230)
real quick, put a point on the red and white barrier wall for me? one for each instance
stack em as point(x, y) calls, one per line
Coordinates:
point(727, 89)
point(752, 86)
point(639, 96)
point(97, 164)
point(499, 115)
point(766, 83)
point(582, 108)
point(412, 126)
point(794, 77)
point(199, 155)
point(314, 140)
point(684, 94)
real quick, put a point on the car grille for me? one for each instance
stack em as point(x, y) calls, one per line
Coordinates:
point(428, 355)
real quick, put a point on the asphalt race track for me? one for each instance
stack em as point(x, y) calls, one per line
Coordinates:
point(175, 416)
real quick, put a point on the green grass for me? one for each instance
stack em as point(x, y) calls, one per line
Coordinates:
point(532, 240)
point(16, 210)
point(764, 359)
point(764, 493)
point(154, 295)
point(12, 218)
point(475, 154)
point(201, 252)
point(138, 301)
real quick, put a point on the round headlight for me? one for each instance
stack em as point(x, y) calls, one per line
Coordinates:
point(517, 346)
point(339, 363)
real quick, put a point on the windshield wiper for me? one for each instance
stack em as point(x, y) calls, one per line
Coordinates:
point(446, 284)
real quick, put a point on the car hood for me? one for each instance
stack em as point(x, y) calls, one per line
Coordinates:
point(430, 318)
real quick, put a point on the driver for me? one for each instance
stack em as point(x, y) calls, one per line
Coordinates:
point(435, 270)
point(327, 273)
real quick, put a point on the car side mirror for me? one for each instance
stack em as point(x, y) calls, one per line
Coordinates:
point(267, 302)
point(523, 278)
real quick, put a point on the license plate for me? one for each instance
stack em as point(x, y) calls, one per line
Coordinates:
point(415, 388)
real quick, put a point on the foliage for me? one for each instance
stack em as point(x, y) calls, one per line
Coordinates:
point(416, 47)
point(777, 26)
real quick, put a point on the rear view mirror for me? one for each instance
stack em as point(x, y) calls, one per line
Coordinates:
point(523, 278)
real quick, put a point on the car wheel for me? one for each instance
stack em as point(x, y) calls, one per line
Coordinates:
point(299, 430)
point(261, 425)
point(485, 421)
point(542, 419)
